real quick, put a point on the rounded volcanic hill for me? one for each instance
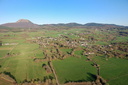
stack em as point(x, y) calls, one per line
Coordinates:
point(22, 23)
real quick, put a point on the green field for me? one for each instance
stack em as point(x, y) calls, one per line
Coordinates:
point(114, 70)
point(20, 64)
point(74, 69)
point(78, 69)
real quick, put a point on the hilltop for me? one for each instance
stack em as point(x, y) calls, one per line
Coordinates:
point(22, 23)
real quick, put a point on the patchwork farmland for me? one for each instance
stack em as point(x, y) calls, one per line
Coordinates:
point(64, 56)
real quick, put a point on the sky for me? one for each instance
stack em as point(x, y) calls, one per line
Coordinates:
point(65, 11)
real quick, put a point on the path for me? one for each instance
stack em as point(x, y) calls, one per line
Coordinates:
point(54, 73)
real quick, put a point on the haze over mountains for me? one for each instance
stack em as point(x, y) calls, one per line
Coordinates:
point(24, 23)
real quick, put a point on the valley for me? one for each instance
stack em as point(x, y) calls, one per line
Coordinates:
point(64, 56)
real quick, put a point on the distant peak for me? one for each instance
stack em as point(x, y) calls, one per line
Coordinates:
point(23, 20)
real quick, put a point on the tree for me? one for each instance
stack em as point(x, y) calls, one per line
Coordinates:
point(50, 77)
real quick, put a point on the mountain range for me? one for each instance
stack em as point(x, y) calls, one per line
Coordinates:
point(24, 23)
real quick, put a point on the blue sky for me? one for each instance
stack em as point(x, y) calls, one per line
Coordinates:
point(65, 11)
